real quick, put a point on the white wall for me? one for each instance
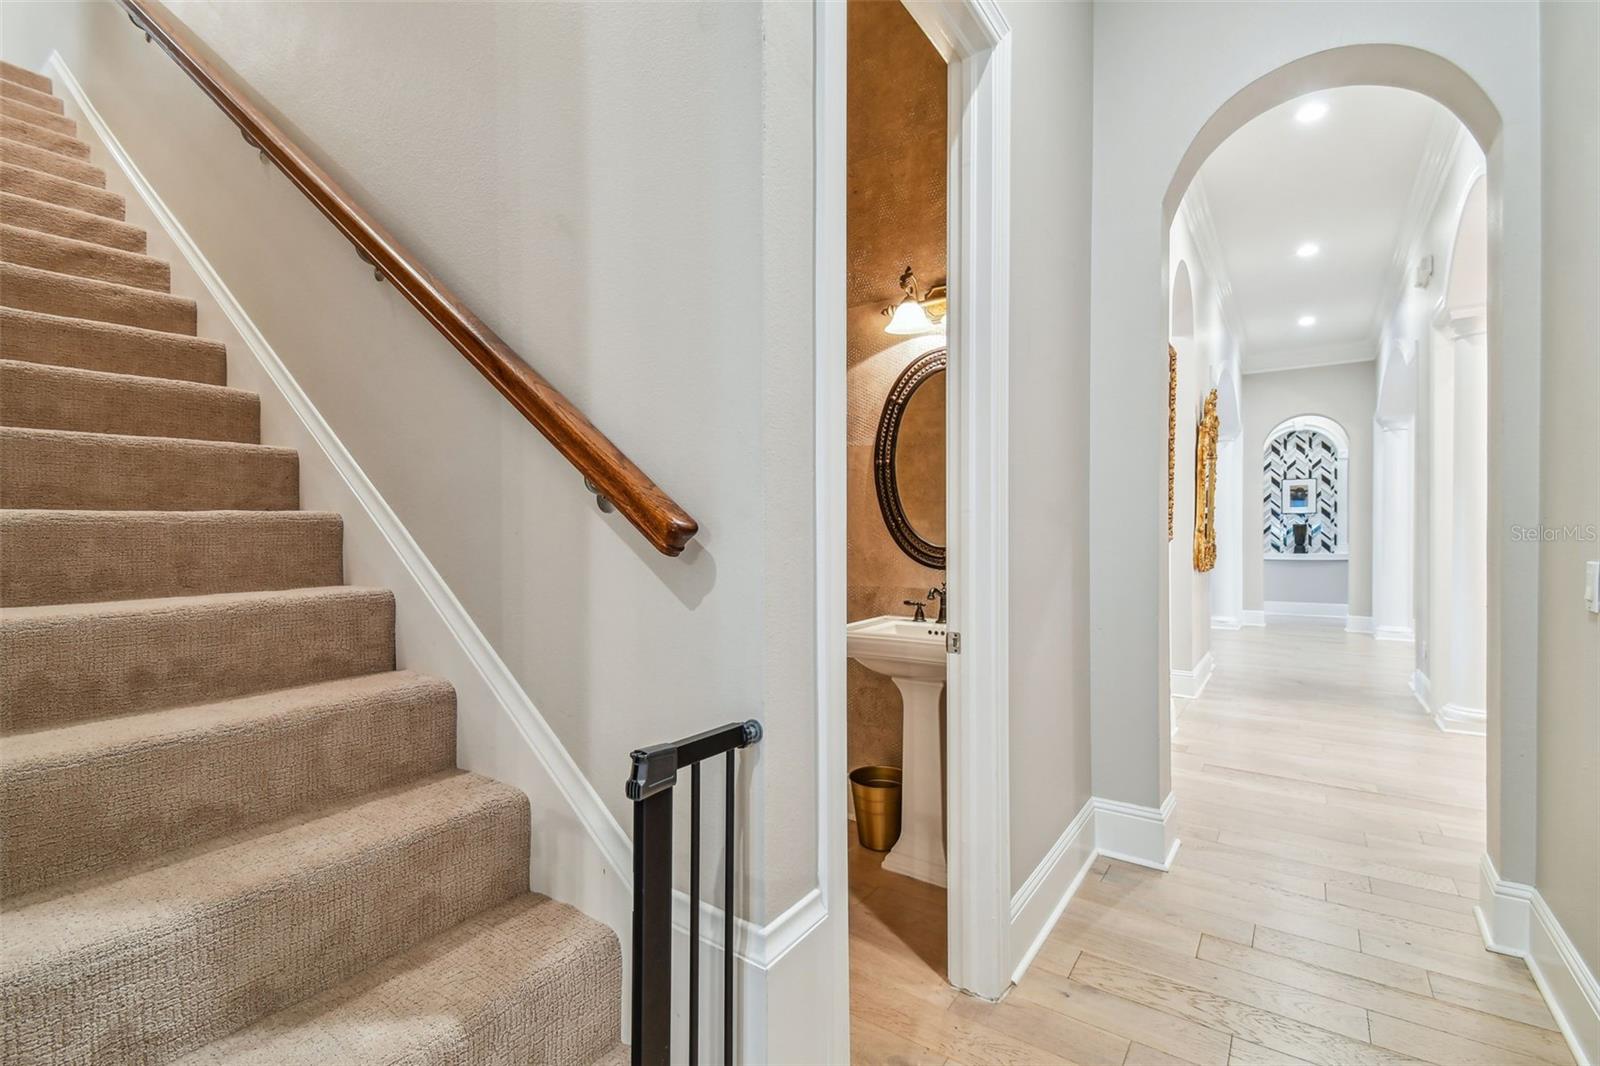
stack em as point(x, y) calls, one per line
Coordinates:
point(1162, 72)
point(1050, 142)
point(1569, 637)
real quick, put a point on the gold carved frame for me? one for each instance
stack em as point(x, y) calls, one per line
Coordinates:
point(1205, 487)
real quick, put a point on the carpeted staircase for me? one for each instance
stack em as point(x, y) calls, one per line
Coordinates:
point(232, 830)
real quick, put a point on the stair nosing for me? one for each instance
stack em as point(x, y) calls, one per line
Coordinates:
point(125, 438)
point(163, 604)
point(114, 377)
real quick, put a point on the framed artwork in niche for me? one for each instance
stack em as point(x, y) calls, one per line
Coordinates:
point(1300, 497)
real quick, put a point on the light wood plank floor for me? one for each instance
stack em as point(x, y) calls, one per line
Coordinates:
point(1320, 909)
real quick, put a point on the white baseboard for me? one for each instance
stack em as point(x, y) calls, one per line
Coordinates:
point(1360, 623)
point(1454, 718)
point(1225, 621)
point(1401, 633)
point(1515, 920)
point(1189, 684)
point(1252, 618)
point(1302, 611)
point(1422, 689)
point(1037, 905)
point(1131, 833)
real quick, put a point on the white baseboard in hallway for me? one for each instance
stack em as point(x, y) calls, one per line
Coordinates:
point(1136, 834)
point(1454, 718)
point(1189, 684)
point(1422, 689)
point(1514, 919)
point(1038, 904)
point(1226, 622)
point(1400, 633)
point(1285, 610)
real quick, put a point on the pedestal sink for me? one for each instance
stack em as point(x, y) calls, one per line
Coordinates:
point(912, 655)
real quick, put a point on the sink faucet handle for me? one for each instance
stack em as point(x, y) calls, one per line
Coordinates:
point(919, 616)
point(940, 594)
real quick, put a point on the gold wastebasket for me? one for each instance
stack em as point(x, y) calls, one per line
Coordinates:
point(876, 791)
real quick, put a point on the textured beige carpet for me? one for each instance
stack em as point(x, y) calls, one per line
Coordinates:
point(230, 829)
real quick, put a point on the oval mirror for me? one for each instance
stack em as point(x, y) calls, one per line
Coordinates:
point(909, 460)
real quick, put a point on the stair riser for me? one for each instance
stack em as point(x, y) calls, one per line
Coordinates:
point(37, 185)
point(31, 289)
point(111, 806)
point(85, 472)
point(149, 999)
point(39, 397)
point(62, 255)
point(61, 221)
point(75, 557)
point(24, 76)
point(65, 671)
point(52, 340)
point(44, 118)
point(10, 90)
point(50, 140)
point(32, 157)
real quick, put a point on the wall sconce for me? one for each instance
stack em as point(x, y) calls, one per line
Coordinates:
point(916, 313)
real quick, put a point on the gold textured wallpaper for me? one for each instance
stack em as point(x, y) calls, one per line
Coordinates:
point(895, 172)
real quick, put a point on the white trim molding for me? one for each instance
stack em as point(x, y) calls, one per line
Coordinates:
point(1455, 718)
point(1038, 904)
point(1422, 689)
point(1514, 919)
point(1226, 622)
point(1248, 617)
point(1188, 684)
point(1282, 610)
point(1140, 835)
point(1407, 634)
point(975, 40)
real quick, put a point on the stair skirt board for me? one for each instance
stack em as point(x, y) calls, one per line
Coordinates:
point(234, 830)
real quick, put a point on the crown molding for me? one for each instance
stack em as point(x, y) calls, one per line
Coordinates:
point(1197, 210)
point(1443, 145)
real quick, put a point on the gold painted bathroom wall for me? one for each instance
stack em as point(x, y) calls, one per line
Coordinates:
point(896, 216)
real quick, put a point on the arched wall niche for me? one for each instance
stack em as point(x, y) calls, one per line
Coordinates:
point(1335, 433)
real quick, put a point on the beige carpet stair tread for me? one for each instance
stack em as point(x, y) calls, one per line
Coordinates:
point(39, 185)
point(59, 469)
point(18, 129)
point(37, 396)
point(58, 340)
point(532, 981)
point(62, 557)
point(98, 795)
point(32, 157)
point(32, 289)
point(24, 76)
point(225, 934)
point(12, 90)
point(82, 259)
point(69, 663)
point(42, 217)
point(43, 117)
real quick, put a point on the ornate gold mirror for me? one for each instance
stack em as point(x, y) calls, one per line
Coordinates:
point(1205, 487)
point(908, 460)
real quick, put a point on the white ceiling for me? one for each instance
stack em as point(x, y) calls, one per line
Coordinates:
point(1344, 182)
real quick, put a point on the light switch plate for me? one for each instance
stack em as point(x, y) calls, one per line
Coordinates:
point(1591, 586)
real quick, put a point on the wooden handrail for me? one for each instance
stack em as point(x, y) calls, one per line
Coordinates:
point(607, 472)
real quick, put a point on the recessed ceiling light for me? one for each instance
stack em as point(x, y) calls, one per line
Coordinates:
point(1308, 249)
point(1311, 111)
point(1307, 320)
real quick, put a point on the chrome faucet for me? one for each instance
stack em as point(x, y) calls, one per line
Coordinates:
point(918, 616)
point(939, 592)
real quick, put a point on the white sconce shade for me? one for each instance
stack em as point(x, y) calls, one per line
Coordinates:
point(909, 318)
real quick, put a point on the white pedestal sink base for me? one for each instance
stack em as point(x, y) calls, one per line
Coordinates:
point(919, 852)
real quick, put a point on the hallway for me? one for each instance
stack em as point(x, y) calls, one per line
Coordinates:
point(1319, 910)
